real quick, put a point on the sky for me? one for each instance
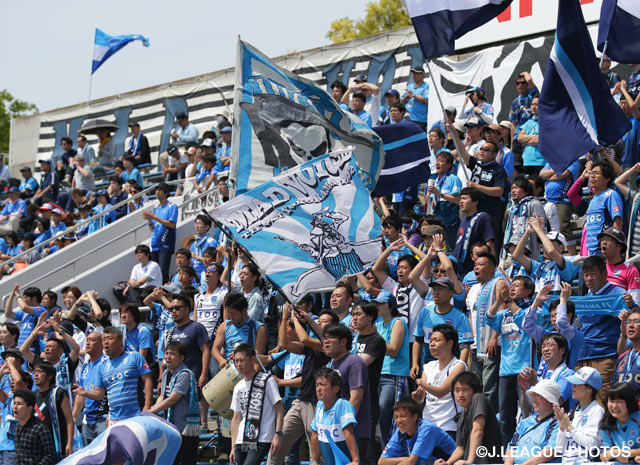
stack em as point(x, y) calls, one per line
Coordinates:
point(47, 46)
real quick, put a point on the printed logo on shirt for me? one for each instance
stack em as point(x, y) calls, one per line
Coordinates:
point(617, 272)
point(616, 209)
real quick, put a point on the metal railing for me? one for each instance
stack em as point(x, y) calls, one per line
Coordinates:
point(43, 244)
point(192, 201)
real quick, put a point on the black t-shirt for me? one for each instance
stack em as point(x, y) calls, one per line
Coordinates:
point(313, 360)
point(491, 439)
point(42, 403)
point(374, 345)
point(489, 175)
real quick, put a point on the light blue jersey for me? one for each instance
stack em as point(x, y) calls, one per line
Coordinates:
point(138, 339)
point(516, 345)
point(398, 366)
point(330, 425)
point(429, 318)
point(625, 435)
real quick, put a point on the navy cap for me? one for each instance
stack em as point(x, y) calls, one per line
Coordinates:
point(393, 92)
point(360, 78)
point(385, 297)
point(181, 115)
point(417, 69)
point(14, 190)
point(226, 129)
point(164, 186)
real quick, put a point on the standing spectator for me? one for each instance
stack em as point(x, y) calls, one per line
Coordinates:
point(601, 332)
point(437, 140)
point(93, 413)
point(249, 282)
point(628, 365)
point(611, 77)
point(185, 131)
point(201, 241)
point(338, 88)
point(634, 81)
point(256, 402)
point(520, 112)
point(30, 309)
point(631, 139)
point(82, 176)
point(34, 442)
point(118, 379)
point(370, 91)
point(136, 337)
point(28, 186)
point(630, 194)
point(416, 97)
point(605, 208)
point(357, 108)
point(532, 158)
point(446, 193)
point(86, 151)
point(15, 379)
point(475, 226)
point(397, 112)
point(613, 246)
point(336, 342)
point(162, 223)
point(556, 189)
point(334, 421)
point(138, 146)
point(179, 398)
point(481, 109)
point(523, 207)
point(494, 133)
point(384, 117)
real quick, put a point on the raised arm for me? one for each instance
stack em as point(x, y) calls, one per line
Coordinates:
point(518, 253)
point(459, 145)
point(445, 262)
point(621, 181)
point(415, 276)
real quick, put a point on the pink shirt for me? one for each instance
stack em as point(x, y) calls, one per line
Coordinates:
point(624, 275)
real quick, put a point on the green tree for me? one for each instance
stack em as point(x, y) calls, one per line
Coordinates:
point(11, 107)
point(382, 16)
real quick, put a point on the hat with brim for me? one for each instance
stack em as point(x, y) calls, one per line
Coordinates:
point(443, 281)
point(493, 127)
point(616, 234)
point(12, 352)
point(588, 376)
point(547, 389)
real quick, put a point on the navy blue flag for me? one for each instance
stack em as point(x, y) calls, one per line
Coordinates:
point(105, 45)
point(576, 110)
point(620, 29)
point(406, 161)
point(438, 23)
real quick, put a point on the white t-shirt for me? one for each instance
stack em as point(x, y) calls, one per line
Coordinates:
point(415, 302)
point(184, 158)
point(441, 410)
point(268, 422)
point(152, 270)
point(209, 308)
point(584, 436)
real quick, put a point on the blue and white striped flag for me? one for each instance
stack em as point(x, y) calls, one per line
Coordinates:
point(576, 111)
point(620, 29)
point(308, 227)
point(143, 440)
point(105, 45)
point(438, 23)
point(282, 120)
point(406, 161)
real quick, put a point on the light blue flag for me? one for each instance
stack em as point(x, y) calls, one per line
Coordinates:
point(105, 45)
point(282, 120)
point(308, 227)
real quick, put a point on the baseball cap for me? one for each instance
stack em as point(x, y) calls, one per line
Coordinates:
point(548, 389)
point(393, 92)
point(69, 237)
point(385, 297)
point(360, 78)
point(14, 190)
point(459, 125)
point(450, 109)
point(102, 192)
point(558, 236)
point(417, 69)
point(172, 288)
point(134, 124)
point(44, 160)
point(181, 115)
point(46, 207)
point(164, 186)
point(12, 351)
point(588, 376)
point(29, 236)
point(505, 124)
point(474, 89)
point(443, 281)
point(226, 129)
point(25, 168)
point(494, 127)
point(172, 149)
point(57, 211)
point(617, 234)
point(207, 143)
point(432, 229)
point(473, 122)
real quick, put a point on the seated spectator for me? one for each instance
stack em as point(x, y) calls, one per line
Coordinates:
point(14, 209)
point(138, 146)
point(535, 436)
point(49, 184)
point(130, 171)
point(106, 149)
point(435, 388)
point(183, 258)
point(135, 204)
point(203, 180)
point(334, 420)
point(56, 226)
point(103, 205)
point(477, 425)
point(579, 431)
point(177, 164)
point(117, 195)
point(223, 154)
point(28, 185)
point(14, 247)
point(619, 425)
point(201, 242)
point(145, 276)
point(416, 440)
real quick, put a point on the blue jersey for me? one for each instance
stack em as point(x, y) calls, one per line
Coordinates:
point(601, 332)
point(429, 442)
point(198, 246)
point(163, 238)
point(557, 191)
point(549, 272)
point(102, 221)
point(7, 428)
point(398, 366)
point(138, 339)
point(95, 410)
point(625, 435)
point(448, 184)
point(392, 261)
point(164, 324)
point(603, 209)
point(628, 370)
point(29, 184)
point(235, 334)
point(520, 111)
point(531, 155)
point(19, 208)
point(429, 318)
point(28, 322)
point(135, 174)
point(530, 437)
point(516, 345)
point(119, 376)
point(632, 144)
point(56, 229)
point(365, 117)
point(418, 111)
point(330, 425)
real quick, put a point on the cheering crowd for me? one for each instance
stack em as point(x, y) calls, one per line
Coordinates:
point(500, 323)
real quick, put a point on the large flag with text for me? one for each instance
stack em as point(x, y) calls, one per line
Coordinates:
point(619, 28)
point(309, 226)
point(105, 45)
point(576, 111)
point(282, 120)
point(438, 23)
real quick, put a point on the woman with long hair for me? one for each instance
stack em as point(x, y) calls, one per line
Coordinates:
point(620, 425)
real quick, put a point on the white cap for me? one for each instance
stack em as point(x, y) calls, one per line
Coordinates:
point(547, 389)
point(557, 236)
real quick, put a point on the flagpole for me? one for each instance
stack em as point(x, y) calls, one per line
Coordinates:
point(90, 84)
point(604, 51)
point(444, 113)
